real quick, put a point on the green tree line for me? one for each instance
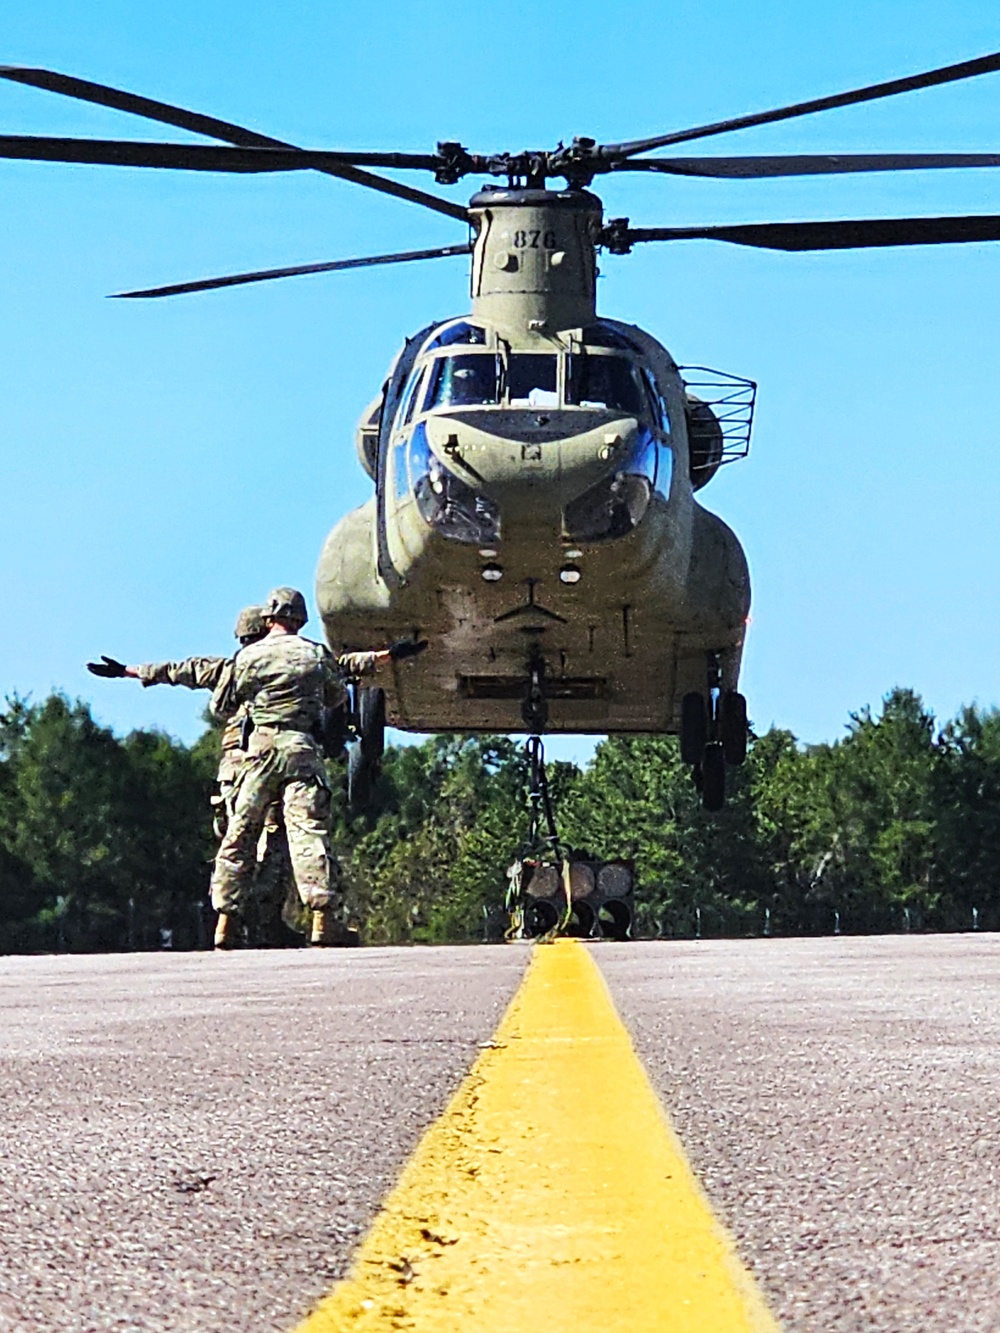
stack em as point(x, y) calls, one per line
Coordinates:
point(106, 843)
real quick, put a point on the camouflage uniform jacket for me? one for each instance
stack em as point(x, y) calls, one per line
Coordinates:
point(285, 681)
point(207, 673)
point(194, 673)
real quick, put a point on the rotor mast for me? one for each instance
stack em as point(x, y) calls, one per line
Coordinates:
point(534, 263)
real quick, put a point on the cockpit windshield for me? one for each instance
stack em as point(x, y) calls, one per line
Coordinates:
point(461, 381)
point(533, 379)
point(604, 381)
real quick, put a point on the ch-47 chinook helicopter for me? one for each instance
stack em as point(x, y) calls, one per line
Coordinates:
point(535, 465)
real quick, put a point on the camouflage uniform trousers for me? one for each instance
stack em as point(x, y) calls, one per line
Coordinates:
point(283, 771)
point(273, 892)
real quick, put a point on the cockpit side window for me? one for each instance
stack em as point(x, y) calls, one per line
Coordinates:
point(463, 381)
point(610, 382)
point(658, 406)
point(411, 398)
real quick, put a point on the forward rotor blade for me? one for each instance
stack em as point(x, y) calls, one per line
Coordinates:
point(967, 69)
point(195, 156)
point(85, 91)
point(841, 235)
point(101, 95)
point(264, 275)
point(825, 164)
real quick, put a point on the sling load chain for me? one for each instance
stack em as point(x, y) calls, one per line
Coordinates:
point(538, 848)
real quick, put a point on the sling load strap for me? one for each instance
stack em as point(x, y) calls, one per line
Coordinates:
point(540, 804)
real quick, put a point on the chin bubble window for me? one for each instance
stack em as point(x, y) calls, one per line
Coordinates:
point(618, 503)
point(468, 380)
point(445, 501)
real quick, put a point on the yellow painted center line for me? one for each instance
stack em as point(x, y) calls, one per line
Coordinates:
point(551, 1194)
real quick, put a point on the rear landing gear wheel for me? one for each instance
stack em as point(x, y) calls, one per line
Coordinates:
point(371, 722)
point(733, 726)
point(694, 727)
point(713, 777)
point(360, 780)
point(364, 759)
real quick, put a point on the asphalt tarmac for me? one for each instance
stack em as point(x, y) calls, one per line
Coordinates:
point(195, 1143)
point(838, 1099)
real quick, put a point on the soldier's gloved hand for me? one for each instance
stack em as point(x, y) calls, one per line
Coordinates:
point(407, 648)
point(107, 666)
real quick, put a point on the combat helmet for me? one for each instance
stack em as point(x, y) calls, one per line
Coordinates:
point(286, 604)
point(250, 623)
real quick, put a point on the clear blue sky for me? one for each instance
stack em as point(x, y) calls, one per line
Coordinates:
point(165, 463)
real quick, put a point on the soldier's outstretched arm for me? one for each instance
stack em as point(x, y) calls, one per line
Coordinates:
point(365, 664)
point(223, 703)
point(194, 673)
point(353, 665)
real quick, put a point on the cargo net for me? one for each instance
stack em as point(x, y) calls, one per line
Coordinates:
point(719, 412)
point(553, 889)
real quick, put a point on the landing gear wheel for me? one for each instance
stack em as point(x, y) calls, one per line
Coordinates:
point(371, 722)
point(733, 726)
point(360, 780)
point(365, 758)
point(694, 728)
point(713, 777)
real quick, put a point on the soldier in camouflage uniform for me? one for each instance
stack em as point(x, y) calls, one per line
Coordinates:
point(273, 886)
point(274, 898)
point(285, 682)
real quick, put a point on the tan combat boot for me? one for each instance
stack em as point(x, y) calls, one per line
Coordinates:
point(227, 931)
point(328, 931)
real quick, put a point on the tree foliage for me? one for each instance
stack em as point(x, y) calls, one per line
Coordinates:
point(104, 842)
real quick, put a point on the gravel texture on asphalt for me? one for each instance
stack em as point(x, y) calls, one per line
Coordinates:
point(195, 1142)
point(838, 1099)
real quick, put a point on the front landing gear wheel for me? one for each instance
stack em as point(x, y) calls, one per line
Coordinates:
point(713, 777)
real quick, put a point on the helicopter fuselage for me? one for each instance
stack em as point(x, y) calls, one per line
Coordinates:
point(534, 515)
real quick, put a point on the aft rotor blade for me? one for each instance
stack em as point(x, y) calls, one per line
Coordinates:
point(101, 95)
point(841, 235)
point(823, 164)
point(265, 275)
point(967, 69)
